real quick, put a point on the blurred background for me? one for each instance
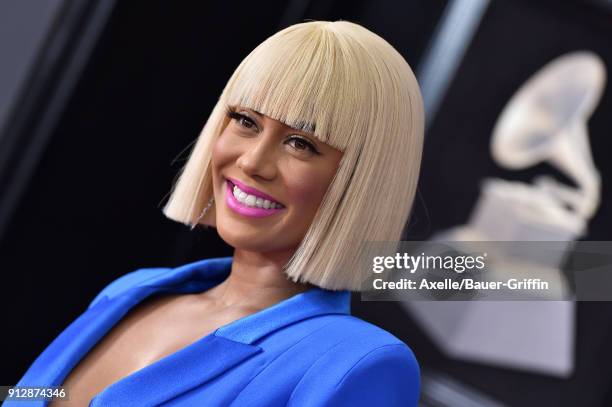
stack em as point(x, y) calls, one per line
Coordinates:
point(100, 101)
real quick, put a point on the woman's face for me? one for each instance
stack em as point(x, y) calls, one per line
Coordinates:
point(268, 181)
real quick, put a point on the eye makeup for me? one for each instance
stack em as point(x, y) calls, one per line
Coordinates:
point(242, 119)
point(249, 123)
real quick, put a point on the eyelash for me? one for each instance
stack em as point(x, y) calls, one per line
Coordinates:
point(308, 144)
point(232, 114)
point(238, 117)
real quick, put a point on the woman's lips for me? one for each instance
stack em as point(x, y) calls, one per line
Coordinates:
point(252, 191)
point(243, 209)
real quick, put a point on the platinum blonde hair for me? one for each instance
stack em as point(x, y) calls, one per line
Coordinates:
point(356, 93)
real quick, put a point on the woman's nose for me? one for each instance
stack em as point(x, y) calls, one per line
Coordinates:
point(259, 158)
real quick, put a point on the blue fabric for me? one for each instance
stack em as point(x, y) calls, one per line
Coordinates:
point(304, 351)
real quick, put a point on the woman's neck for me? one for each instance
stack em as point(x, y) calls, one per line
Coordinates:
point(256, 280)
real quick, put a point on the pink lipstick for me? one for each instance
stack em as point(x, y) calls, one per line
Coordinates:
point(243, 209)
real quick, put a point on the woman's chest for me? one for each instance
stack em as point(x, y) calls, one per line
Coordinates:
point(150, 332)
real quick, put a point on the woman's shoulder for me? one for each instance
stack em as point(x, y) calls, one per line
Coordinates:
point(363, 364)
point(354, 332)
point(127, 281)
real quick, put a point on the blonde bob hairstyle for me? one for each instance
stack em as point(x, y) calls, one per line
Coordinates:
point(353, 91)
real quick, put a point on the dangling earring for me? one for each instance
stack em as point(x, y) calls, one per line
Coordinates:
point(204, 212)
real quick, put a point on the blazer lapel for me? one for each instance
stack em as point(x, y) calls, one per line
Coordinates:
point(163, 380)
point(308, 304)
point(60, 357)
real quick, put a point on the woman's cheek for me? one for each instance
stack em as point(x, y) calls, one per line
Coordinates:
point(223, 150)
point(307, 188)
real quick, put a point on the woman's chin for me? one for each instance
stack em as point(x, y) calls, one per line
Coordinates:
point(252, 242)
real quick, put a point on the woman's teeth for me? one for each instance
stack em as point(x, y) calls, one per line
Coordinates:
point(254, 201)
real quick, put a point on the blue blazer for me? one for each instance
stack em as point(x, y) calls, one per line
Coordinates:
point(304, 351)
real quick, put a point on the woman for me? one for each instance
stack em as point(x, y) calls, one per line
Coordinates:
point(313, 148)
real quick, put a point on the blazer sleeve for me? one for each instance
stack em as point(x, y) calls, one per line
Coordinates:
point(386, 376)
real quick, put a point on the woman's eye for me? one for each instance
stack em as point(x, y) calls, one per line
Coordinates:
point(301, 144)
point(243, 120)
point(246, 122)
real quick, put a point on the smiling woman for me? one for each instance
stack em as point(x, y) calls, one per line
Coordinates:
point(313, 148)
point(259, 157)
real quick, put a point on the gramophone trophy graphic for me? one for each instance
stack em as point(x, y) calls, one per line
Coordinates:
point(544, 122)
